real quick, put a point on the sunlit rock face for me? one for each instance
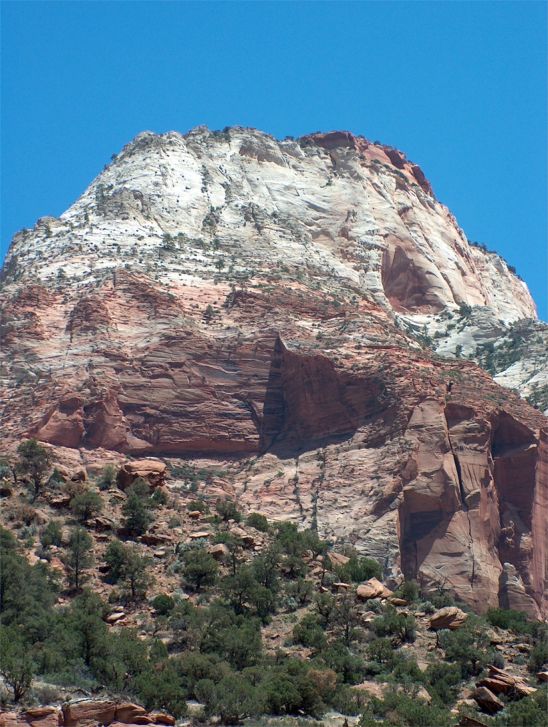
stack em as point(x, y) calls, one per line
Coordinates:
point(272, 310)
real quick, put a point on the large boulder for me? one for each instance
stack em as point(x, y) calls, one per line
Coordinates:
point(89, 710)
point(449, 617)
point(151, 470)
point(371, 589)
point(487, 701)
point(500, 682)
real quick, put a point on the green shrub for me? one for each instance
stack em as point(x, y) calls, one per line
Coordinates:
point(358, 570)
point(227, 510)
point(160, 688)
point(200, 568)
point(136, 509)
point(197, 506)
point(86, 505)
point(163, 604)
point(408, 590)
point(159, 498)
point(16, 666)
point(443, 681)
point(34, 464)
point(392, 623)
point(107, 478)
point(516, 621)
point(79, 557)
point(467, 647)
point(403, 710)
point(52, 534)
point(538, 658)
point(308, 632)
point(530, 711)
point(257, 521)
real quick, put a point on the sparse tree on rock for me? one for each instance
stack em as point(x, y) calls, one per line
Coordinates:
point(16, 666)
point(79, 557)
point(34, 463)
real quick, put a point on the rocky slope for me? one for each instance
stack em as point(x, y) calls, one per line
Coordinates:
point(270, 309)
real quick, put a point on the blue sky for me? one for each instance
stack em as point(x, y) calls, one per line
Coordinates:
point(459, 86)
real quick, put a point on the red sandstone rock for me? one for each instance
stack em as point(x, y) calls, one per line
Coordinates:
point(487, 701)
point(449, 617)
point(370, 589)
point(425, 464)
point(151, 470)
point(97, 711)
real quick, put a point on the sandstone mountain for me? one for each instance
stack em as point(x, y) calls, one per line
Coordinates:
point(306, 317)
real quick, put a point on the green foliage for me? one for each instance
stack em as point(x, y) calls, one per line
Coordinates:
point(233, 698)
point(114, 559)
point(358, 569)
point(127, 566)
point(34, 463)
point(107, 478)
point(86, 505)
point(159, 498)
point(403, 710)
point(531, 711)
point(200, 568)
point(16, 666)
point(163, 604)
point(227, 510)
point(257, 521)
point(467, 647)
point(349, 666)
point(197, 506)
point(443, 681)
point(409, 590)
point(52, 534)
point(236, 639)
point(160, 688)
point(79, 557)
point(538, 658)
point(392, 623)
point(308, 632)
point(137, 508)
point(516, 621)
point(381, 651)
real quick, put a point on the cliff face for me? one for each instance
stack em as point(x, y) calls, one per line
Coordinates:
point(272, 307)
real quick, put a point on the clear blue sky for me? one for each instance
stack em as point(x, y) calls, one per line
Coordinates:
point(459, 86)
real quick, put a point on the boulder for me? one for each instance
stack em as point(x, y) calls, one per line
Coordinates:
point(102, 711)
point(11, 719)
point(370, 589)
point(449, 617)
point(338, 559)
point(151, 470)
point(43, 716)
point(487, 701)
point(500, 682)
point(127, 711)
point(219, 551)
point(542, 676)
point(162, 718)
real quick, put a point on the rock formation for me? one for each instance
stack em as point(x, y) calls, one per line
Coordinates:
point(273, 310)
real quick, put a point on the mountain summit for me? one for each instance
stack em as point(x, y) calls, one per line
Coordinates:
point(306, 315)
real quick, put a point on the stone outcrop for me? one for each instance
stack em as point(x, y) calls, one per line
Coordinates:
point(150, 470)
point(501, 682)
point(450, 617)
point(266, 314)
point(372, 588)
point(487, 701)
point(89, 712)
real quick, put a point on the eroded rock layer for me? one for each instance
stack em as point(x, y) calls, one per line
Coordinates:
point(265, 307)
